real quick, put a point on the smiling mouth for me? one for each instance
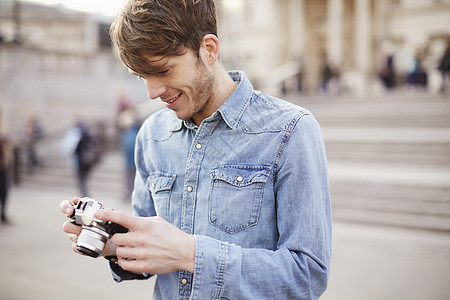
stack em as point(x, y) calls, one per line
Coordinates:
point(171, 100)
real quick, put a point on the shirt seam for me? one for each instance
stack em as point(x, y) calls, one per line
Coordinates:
point(222, 267)
point(287, 134)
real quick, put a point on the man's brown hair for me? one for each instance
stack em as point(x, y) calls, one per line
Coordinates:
point(160, 28)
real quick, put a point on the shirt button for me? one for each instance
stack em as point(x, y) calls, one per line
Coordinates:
point(198, 146)
point(190, 189)
point(239, 179)
point(184, 281)
point(153, 185)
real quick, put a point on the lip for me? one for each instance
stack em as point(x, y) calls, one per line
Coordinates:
point(171, 102)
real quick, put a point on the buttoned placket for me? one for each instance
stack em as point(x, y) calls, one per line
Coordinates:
point(184, 283)
point(196, 154)
point(193, 165)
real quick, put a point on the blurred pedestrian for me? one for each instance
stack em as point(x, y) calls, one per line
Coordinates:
point(329, 78)
point(123, 103)
point(129, 130)
point(444, 67)
point(326, 75)
point(417, 77)
point(4, 172)
point(33, 133)
point(387, 74)
point(87, 155)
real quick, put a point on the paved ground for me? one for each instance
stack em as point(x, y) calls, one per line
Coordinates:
point(368, 262)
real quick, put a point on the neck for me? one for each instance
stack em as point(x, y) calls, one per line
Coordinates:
point(223, 87)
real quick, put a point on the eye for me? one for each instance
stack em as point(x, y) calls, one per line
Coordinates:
point(163, 72)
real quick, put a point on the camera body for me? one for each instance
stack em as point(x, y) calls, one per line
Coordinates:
point(95, 233)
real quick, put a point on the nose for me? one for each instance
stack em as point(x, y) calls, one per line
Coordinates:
point(155, 87)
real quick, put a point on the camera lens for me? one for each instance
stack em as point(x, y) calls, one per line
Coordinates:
point(91, 241)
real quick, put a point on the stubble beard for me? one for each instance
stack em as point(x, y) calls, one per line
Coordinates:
point(202, 91)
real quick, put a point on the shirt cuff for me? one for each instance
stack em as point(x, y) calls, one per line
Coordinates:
point(211, 258)
point(120, 274)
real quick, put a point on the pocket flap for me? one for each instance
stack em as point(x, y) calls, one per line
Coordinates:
point(159, 181)
point(239, 175)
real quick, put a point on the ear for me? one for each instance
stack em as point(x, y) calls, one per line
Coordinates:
point(210, 48)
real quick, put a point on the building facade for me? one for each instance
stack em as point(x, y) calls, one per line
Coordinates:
point(351, 37)
point(59, 64)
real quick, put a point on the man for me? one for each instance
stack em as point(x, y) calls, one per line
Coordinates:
point(4, 174)
point(231, 194)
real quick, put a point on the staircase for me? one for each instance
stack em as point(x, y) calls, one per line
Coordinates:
point(389, 159)
point(106, 180)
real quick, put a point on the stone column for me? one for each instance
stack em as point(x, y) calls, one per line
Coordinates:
point(362, 43)
point(335, 15)
point(296, 27)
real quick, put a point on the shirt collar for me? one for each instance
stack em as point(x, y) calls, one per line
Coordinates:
point(233, 108)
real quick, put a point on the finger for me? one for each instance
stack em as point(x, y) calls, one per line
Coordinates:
point(75, 249)
point(76, 199)
point(73, 237)
point(131, 265)
point(121, 239)
point(129, 252)
point(69, 227)
point(130, 239)
point(118, 217)
point(66, 207)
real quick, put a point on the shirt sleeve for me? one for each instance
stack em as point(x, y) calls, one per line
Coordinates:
point(299, 267)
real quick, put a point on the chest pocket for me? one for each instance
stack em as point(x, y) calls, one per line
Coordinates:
point(236, 196)
point(160, 185)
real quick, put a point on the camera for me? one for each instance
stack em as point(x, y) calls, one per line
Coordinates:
point(95, 233)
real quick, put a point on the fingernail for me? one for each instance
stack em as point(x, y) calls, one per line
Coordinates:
point(67, 210)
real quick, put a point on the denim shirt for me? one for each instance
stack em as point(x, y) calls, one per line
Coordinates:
point(251, 184)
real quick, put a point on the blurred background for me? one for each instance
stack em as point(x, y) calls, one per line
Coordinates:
point(376, 74)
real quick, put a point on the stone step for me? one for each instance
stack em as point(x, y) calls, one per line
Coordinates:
point(104, 182)
point(400, 206)
point(431, 154)
point(413, 221)
point(388, 174)
point(393, 195)
point(358, 193)
point(106, 178)
point(389, 110)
